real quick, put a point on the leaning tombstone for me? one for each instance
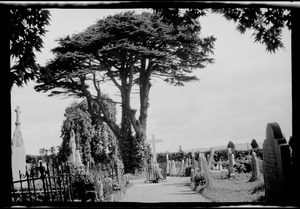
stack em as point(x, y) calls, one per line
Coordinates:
point(206, 171)
point(211, 157)
point(276, 165)
point(254, 167)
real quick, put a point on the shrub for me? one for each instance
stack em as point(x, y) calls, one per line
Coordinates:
point(188, 170)
point(199, 179)
point(82, 183)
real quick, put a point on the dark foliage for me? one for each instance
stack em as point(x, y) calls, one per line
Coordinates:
point(27, 26)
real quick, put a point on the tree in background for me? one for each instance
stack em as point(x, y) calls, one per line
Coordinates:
point(130, 50)
point(254, 144)
point(26, 28)
point(231, 145)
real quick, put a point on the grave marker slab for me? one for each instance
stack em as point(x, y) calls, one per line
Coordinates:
point(254, 167)
point(173, 171)
point(211, 157)
point(230, 163)
point(276, 165)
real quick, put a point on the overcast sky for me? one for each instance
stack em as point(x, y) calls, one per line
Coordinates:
point(236, 97)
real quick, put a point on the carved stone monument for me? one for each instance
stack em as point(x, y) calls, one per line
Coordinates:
point(18, 156)
point(72, 145)
point(153, 141)
point(276, 165)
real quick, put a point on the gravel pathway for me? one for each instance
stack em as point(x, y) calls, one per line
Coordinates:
point(174, 189)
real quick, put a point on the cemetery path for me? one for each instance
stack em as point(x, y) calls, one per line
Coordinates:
point(174, 189)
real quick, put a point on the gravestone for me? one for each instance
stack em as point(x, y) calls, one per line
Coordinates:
point(211, 157)
point(157, 173)
point(220, 165)
point(173, 169)
point(181, 168)
point(230, 163)
point(206, 171)
point(18, 154)
point(200, 163)
point(72, 146)
point(168, 166)
point(254, 167)
point(276, 165)
point(152, 142)
point(193, 160)
point(186, 162)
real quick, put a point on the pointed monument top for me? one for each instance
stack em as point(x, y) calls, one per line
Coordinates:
point(18, 112)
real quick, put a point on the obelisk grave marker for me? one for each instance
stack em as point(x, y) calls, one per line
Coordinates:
point(152, 142)
point(18, 155)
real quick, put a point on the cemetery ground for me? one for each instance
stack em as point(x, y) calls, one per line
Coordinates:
point(235, 189)
point(177, 189)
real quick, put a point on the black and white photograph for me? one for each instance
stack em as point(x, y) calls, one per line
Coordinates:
point(179, 103)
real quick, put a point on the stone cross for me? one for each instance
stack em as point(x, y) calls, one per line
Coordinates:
point(152, 142)
point(18, 112)
point(18, 154)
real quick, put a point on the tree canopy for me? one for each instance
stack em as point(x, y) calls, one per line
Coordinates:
point(266, 23)
point(254, 144)
point(26, 28)
point(231, 145)
point(130, 50)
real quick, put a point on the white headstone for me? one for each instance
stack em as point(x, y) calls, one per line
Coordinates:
point(18, 149)
point(173, 169)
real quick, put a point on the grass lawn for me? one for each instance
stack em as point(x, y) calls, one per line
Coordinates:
point(235, 189)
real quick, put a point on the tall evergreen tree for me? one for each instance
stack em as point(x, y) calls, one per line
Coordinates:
point(130, 50)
